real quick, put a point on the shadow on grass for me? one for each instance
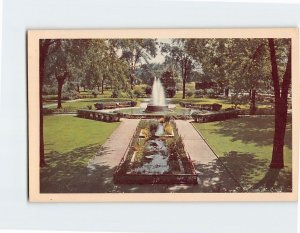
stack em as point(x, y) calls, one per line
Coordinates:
point(258, 130)
point(70, 173)
point(64, 169)
point(275, 180)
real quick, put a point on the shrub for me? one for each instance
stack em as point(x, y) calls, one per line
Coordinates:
point(49, 90)
point(133, 103)
point(148, 90)
point(138, 91)
point(238, 99)
point(176, 147)
point(211, 93)
point(168, 129)
point(200, 93)
point(167, 118)
point(95, 93)
point(171, 91)
point(189, 93)
point(89, 107)
point(153, 128)
point(48, 111)
point(146, 133)
point(116, 94)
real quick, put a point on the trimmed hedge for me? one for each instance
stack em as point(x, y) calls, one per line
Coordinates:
point(110, 105)
point(209, 107)
point(203, 116)
point(100, 116)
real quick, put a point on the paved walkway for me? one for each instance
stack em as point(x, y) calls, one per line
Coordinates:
point(114, 148)
point(212, 174)
point(197, 148)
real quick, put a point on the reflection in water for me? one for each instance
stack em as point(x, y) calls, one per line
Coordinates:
point(156, 158)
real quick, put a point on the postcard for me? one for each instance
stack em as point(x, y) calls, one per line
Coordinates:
point(163, 115)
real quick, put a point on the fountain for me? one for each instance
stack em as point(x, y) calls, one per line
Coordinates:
point(158, 100)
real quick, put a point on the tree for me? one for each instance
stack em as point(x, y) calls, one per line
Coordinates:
point(44, 50)
point(135, 52)
point(281, 89)
point(177, 53)
point(64, 62)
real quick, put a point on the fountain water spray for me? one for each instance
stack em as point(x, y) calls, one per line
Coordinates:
point(158, 93)
point(158, 100)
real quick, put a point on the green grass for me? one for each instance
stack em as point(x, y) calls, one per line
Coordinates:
point(70, 142)
point(226, 103)
point(66, 133)
point(82, 104)
point(244, 145)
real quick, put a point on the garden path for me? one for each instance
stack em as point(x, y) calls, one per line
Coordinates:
point(194, 144)
point(212, 174)
point(116, 144)
point(211, 171)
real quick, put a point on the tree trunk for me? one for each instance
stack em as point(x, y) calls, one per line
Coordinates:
point(183, 79)
point(226, 92)
point(83, 87)
point(98, 87)
point(131, 81)
point(253, 102)
point(102, 86)
point(78, 88)
point(250, 94)
point(44, 47)
point(60, 83)
point(280, 106)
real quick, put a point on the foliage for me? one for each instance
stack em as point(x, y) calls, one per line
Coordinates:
point(148, 90)
point(189, 93)
point(200, 93)
point(239, 99)
point(138, 91)
point(168, 129)
point(171, 92)
point(116, 93)
point(153, 125)
point(176, 147)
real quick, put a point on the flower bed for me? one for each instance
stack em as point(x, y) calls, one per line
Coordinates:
point(154, 158)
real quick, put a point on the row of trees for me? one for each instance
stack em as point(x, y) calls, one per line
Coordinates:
point(244, 65)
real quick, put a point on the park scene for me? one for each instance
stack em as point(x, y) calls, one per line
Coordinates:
point(165, 115)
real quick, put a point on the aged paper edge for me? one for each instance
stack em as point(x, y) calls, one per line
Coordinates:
point(33, 113)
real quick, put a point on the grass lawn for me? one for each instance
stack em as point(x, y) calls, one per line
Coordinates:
point(244, 145)
point(70, 142)
point(82, 104)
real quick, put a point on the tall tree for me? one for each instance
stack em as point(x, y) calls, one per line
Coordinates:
point(177, 52)
point(281, 88)
point(136, 52)
point(44, 50)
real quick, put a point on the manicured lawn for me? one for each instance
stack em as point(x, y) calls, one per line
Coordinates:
point(82, 104)
point(244, 145)
point(226, 103)
point(70, 142)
